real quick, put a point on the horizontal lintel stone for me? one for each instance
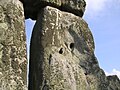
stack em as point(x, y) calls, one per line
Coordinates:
point(32, 7)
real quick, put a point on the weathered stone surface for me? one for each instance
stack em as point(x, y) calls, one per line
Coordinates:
point(114, 82)
point(13, 62)
point(62, 54)
point(32, 7)
point(62, 48)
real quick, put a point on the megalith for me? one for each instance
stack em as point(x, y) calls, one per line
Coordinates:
point(13, 60)
point(62, 49)
point(32, 7)
point(62, 53)
point(58, 45)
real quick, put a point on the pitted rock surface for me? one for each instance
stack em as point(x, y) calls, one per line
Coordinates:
point(63, 57)
point(13, 60)
point(59, 46)
point(61, 51)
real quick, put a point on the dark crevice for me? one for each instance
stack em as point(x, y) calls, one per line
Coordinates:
point(36, 58)
point(50, 59)
point(46, 86)
point(61, 51)
point(85, 73)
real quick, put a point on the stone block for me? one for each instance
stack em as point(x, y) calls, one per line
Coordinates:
point(32, 7)
point(60, 42)
point(62, 55)
point(13, 58)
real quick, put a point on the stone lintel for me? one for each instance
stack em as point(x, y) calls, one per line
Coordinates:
point(32, 7)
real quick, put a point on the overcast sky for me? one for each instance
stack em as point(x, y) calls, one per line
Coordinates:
point(103, 18)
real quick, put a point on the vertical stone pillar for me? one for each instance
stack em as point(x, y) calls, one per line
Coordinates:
point(13, 60)
point(60, 41)
point(62, 49)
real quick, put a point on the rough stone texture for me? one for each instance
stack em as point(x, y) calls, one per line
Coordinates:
point(32, 7)
point(13, 62)
point(62, 55)
point(114, 82)
point(62, 48)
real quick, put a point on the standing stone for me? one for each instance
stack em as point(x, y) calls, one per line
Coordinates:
point(60, 41)
point(13, 61)
point(62, 55)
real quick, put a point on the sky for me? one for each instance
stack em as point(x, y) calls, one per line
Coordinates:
point(103, 18)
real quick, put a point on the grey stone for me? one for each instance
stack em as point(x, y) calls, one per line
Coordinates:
point(32, 7)
point(62, 54)
point(62, 48)
point(114, 82)
point(13, 61)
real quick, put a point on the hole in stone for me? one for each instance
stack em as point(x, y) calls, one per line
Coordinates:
point(50, 59)
point(61, 51)
point(72, 46)
point(85, 73)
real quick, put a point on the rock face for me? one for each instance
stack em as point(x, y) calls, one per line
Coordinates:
point(114, 82)
point(13, 62)
point(61, 51)
point(62, 55)
point(60, 42)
